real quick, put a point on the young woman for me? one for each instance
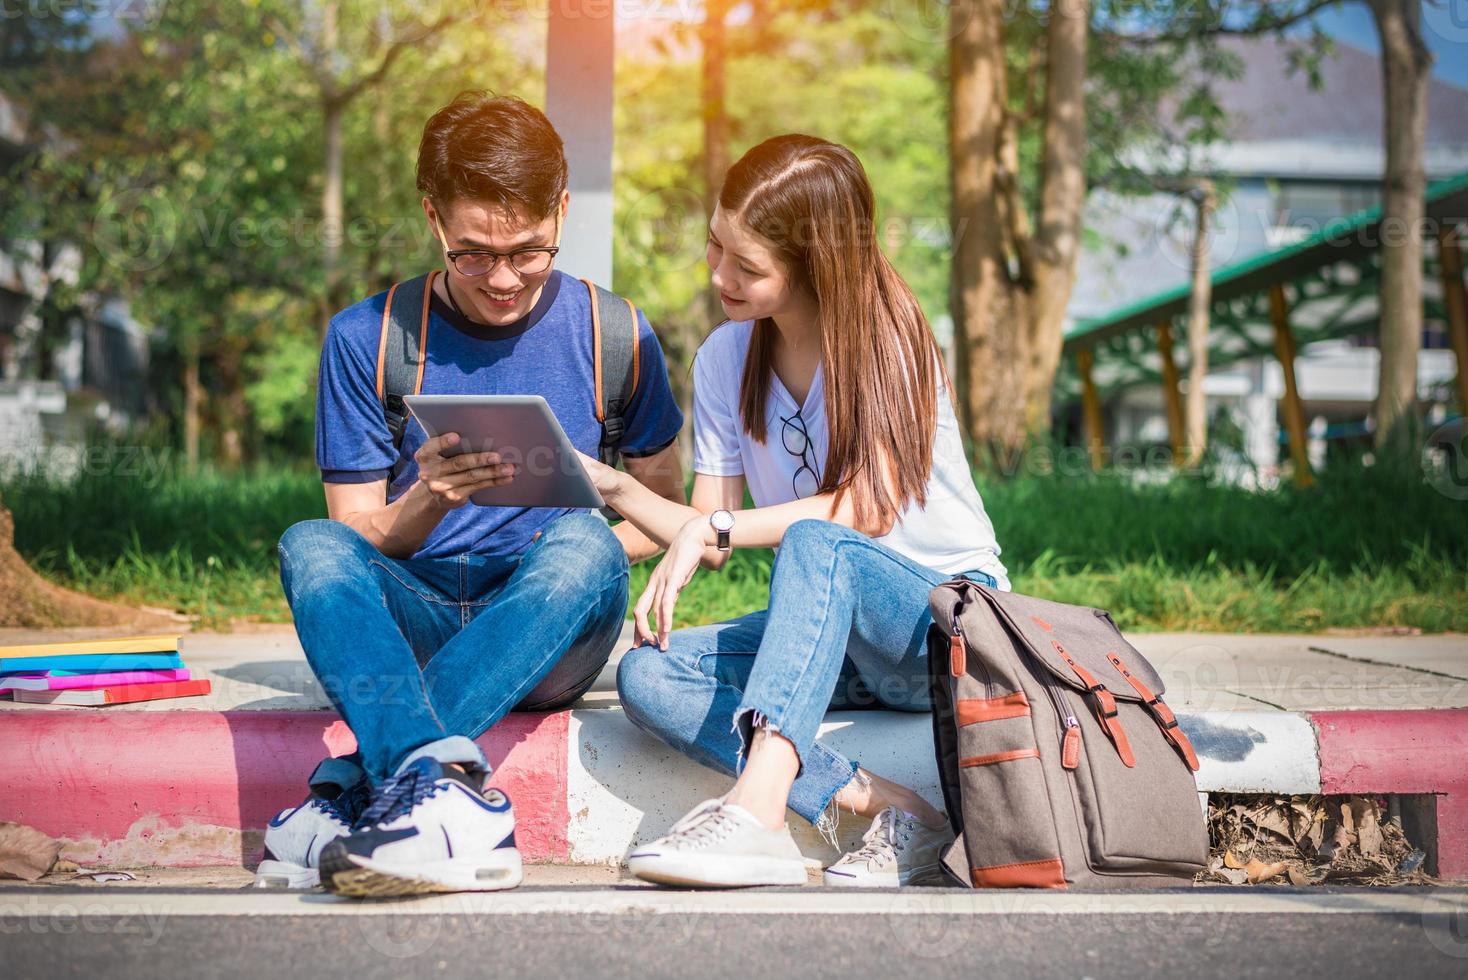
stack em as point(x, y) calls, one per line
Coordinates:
point(826, 395)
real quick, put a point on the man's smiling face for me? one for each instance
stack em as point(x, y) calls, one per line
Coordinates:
point(504, 295)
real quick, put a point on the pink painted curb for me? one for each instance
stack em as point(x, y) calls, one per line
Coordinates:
point(1403, 752)
point(188, 788)
point(192, 788)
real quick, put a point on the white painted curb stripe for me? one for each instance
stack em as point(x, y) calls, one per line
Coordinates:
point(625, 787)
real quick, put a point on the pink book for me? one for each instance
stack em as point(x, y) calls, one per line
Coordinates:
point(118, 693)
point(72, 682)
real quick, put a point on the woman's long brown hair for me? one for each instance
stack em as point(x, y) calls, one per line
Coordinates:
point(811, 200)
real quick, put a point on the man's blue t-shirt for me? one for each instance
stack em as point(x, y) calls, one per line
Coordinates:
point(547, 353)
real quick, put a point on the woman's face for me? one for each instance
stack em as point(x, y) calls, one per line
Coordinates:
point(753, 283)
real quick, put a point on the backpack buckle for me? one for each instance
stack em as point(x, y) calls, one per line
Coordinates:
point(612, 431)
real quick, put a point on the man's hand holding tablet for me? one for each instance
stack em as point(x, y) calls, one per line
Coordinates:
point(453, 479)
point(524, 457)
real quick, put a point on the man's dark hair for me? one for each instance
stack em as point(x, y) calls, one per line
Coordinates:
point(498, 149)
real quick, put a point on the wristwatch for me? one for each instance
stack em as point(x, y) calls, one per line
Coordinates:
point(723, 522)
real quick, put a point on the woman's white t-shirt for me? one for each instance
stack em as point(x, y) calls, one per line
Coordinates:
point(951, 533)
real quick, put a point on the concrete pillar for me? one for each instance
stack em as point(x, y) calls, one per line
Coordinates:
point(1261, 425)
point(578, 99)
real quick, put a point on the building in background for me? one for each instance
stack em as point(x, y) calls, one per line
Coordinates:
point(1296, 159)
point(63, 371)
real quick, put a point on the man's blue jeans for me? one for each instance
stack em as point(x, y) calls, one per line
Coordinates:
point(421, 656)
point(846, 629)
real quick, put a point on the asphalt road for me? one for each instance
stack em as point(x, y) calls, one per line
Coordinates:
point(803, 933)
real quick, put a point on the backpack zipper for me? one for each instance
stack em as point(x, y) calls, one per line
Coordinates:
point(1070, 728)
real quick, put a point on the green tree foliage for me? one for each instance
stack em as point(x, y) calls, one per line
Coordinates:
point(183, 150)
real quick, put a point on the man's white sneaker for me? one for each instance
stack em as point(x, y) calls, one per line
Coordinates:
point(295, 838)
point(428, 829)
point(720, 845)
point(898, 849)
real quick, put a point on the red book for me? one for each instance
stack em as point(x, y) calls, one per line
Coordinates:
point(118, 693)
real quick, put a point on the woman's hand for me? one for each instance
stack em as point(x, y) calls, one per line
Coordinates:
point(606, 479)
point(673, 573)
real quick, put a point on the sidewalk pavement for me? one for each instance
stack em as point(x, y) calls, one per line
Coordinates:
point(193, 782)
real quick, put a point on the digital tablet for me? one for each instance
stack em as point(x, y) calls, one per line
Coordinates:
point(524, 431)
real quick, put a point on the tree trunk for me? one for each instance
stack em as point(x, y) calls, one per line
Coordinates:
point(1062, 200)
point(28, 601)
point(1406, 64)
point(193, 397)
point(987, 305)
point(233, 410)
point(1010, 287)
point(1200, 298)
point(331, 211)
point(377, 263)
point(715, 121)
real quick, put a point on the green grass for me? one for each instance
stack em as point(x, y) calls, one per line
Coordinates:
point(1365, 547)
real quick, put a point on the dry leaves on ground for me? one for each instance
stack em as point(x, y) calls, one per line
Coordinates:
point(25, 852)
point(1308, 840)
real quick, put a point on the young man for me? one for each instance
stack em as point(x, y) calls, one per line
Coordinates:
point(426, 617)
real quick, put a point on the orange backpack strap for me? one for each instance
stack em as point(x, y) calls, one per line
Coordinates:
point(401, 353)
point(1104, 706)
point(1161, 713)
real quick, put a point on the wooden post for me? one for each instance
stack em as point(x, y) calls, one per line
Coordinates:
point(1091, 408)
point(1170, 391)
point(1284, 349)
point(1455, 298)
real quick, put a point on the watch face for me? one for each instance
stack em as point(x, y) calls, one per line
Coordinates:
point(722, 520)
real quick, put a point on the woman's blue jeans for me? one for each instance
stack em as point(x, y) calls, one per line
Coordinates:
point(421, 656)
point(846, 629)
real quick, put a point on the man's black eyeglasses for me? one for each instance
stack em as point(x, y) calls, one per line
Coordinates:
point(797, 443)
point(475, 262)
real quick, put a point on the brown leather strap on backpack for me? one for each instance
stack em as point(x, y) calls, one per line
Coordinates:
point(1104, 705)
point(1161, 713)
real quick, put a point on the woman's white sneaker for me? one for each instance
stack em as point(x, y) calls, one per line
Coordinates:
point(898, 849)
point(720, 845)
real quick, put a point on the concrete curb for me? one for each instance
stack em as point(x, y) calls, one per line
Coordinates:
point(190, 788)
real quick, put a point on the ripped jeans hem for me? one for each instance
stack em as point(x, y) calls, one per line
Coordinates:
point(827, 822)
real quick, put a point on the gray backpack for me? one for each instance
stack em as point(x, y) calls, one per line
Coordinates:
point(1060, 764)
point(402, 349)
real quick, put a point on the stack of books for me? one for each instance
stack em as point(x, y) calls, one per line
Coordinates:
point(93, 672)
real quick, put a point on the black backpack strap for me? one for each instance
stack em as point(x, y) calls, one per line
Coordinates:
point(401, 351)
point(615, 352)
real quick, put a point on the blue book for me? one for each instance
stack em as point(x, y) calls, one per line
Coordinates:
point(92, 662)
